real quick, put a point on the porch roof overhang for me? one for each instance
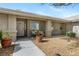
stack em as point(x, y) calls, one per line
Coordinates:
point(28, 14)
point(74, 18)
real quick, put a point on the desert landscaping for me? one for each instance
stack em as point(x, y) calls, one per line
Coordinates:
point(59, 46)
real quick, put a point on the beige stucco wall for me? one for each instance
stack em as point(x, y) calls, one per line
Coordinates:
point(56, 29)
point(48, 28)
point(3, 22)
point(28, 28)
point(8, 24)
point(68, 27)
point(12, 26)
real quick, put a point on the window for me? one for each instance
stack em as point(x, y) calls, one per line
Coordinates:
point(35, 25)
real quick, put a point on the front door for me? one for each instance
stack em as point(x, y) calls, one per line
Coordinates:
point(20, 28)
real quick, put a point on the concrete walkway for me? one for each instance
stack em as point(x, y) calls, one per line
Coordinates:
point(27, 48)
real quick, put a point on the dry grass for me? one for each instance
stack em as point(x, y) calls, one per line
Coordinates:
point(59, 46)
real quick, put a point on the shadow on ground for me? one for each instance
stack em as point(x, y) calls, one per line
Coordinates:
point(44, 40)
point(17, 47)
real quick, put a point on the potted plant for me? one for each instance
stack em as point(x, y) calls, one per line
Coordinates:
point(33, 33)
point(39, 35)
point(6, 40)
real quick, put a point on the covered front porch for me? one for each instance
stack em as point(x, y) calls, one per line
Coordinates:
point(22, 26)
point(25, 26)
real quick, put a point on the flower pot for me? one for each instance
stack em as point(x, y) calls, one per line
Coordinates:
point(39, 38)
point(6, 42)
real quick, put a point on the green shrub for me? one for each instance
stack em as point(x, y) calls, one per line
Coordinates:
point(71, 34)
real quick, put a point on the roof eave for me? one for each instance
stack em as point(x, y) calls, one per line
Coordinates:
point(22, 13)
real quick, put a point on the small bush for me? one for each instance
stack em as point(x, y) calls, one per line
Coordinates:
point(36, 32)
point(71, 34)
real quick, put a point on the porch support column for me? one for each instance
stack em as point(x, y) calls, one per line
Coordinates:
point(12, 26)
point(28, 28)
point(48, 29)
